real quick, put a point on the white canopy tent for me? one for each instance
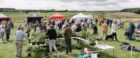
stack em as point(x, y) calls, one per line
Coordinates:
point(81, 16)
point(90, 16)
point(3, 16)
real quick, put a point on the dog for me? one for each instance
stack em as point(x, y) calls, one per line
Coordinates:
point(109, 37)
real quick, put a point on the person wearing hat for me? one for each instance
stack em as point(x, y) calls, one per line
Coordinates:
point(20, 35)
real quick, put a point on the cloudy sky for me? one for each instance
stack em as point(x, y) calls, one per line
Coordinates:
point(90, 5)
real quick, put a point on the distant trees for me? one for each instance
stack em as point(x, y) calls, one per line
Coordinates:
point(7, 9)
point(27, 11)
point(135, 10)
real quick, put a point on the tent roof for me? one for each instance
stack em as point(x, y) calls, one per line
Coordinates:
point(80, 15)
point(3, 16)
point(90, 16)
point(57, 16)
point(34, 16)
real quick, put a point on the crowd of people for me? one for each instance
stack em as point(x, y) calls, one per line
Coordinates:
point(68, 29)
point(5, 29)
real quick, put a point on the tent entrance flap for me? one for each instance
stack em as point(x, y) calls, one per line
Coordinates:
point(34, 19)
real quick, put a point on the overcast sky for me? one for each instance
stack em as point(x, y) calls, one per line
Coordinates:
point(90, 5)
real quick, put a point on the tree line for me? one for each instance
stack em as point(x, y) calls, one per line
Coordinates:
point(26, 11)
point(134, 10)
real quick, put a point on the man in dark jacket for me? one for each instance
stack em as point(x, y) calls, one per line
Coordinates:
point(7, 32)
point(67, 34)
point(131, 30)
point(52, 38)
point(95, 29)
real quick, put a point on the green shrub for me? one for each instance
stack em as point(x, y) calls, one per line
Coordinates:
point(84, 34)
point(38, 37)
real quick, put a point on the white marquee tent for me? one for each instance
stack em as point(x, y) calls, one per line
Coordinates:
point(81, 16)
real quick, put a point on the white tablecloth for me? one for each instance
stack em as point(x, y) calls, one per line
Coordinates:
point(105, 47)
point(79, 38)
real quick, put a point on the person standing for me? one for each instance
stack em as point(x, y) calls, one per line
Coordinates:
point(110, 23)
point(56, 27)
point(95, 29)
point(84, 25)
point(105, 29)
point(60, 25)
point(131, 30)
point(10, 24)
point(67, 35)
point(20, 35)
point(7, 32)
point(96, 20)
point(138, 26)
point(114, 30)
point(38, 30)
point(101, 22)
point(2, 30)
point(28, 30)
point(52, 35)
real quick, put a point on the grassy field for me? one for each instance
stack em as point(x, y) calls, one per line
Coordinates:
point(7, 50)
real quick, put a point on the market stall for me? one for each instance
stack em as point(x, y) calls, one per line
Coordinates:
point(81, 16)
point(34, 19)
point(4, 17)
point(57, 16)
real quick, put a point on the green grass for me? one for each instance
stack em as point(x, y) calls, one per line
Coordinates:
point(7, 50)
point(124, 15)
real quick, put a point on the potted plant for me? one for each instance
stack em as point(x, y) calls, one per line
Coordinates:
point(84, 34)
point(40, 38)
point(93, 39)
point(33, 39)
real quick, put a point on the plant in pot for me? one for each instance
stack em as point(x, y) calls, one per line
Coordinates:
point(84, 34)
point(41, 39)
point(92, 40)
point(34, 42)
point(33, 39)
point(77, 34)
